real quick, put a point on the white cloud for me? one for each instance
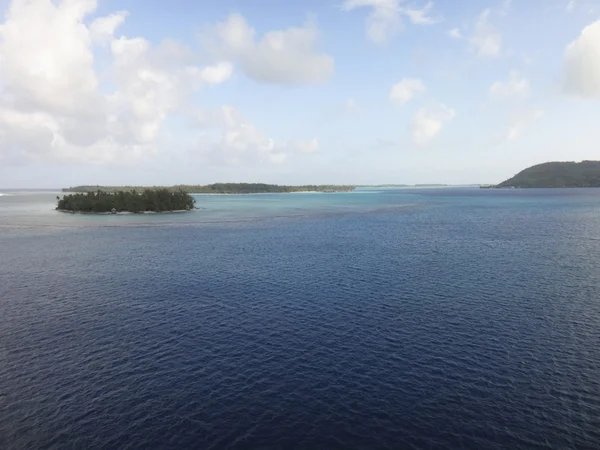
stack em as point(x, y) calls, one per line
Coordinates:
point(52, 106)
point(455, 33)
point(419, 16)
point(103, 28)
point(406, 89)
point(283, 56)
point(486, 39)
point(240, 140)
point(570, 6)
point(385, 18)
point(51, 66)
point(237, 141)
point(42, 136)
point(50, 103)
point(428, 122)
point(215, 74)
point(515, 86)
point(149, 89)
point(582, 64)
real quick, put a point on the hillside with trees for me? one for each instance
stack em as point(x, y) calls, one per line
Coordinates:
point(556, 175)
point(219, 188)
point(159, 200)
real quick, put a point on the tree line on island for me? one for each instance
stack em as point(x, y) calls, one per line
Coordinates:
point(555, 175)
point(147, 200)
point(219, 188)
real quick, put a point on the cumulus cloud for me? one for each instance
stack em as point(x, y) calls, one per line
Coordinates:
point(516, 86)
point(582, 64)
point(149, 90)
point(405, 89)
point(386, 16)
point(215, 74)
point(486, 40)
point(246, 138)
point(428, 122)
point(52, 106)
point(520, 122)
point(238, 141)
point(284, 56)
point(103, 28)
point(420, 16)
point(51, 66)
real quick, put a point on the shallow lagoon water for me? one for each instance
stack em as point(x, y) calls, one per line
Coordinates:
point(383, 318)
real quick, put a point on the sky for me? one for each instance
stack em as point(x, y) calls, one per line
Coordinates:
point(149, 92)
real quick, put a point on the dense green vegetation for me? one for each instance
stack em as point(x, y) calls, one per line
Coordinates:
point(219, 188)
point(158, 200)
point(557, 175)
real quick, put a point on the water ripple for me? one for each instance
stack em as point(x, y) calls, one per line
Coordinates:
point(431, 328)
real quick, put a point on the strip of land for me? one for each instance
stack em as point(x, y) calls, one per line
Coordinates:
point(217, 188)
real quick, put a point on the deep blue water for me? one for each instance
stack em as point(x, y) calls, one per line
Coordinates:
point(412, 318)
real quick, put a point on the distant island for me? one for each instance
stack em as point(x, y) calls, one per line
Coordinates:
point(555, 175)
point(148, 200)
point(217, 188)
point(381, 185)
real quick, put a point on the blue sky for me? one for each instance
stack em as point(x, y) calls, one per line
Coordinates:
point(344, 91)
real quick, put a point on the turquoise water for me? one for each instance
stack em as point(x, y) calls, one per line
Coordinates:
point(379, 319)
point(36, 209)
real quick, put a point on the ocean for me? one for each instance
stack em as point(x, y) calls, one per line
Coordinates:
point(377, 319)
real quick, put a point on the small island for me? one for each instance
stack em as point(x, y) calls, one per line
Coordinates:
point(219, 188)
point(555, 175)
point(133, 201)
